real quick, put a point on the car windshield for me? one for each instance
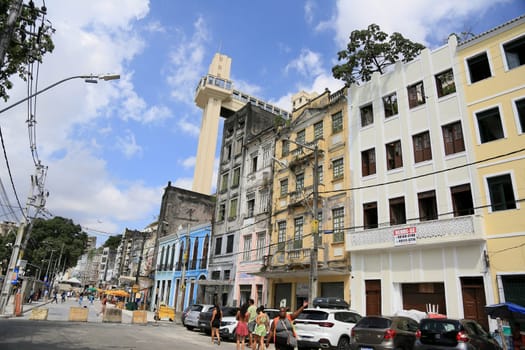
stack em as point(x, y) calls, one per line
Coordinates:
point(196, 308)
point(229, 311)
point(374, 322)
point(313, 315)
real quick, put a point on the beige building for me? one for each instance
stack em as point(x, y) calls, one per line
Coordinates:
point(320, 120)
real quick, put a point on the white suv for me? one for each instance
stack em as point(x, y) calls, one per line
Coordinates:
point(325, 328)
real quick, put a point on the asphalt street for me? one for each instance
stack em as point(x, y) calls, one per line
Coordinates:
point(20, 333)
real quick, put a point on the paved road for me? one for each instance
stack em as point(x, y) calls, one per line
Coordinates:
point(57, 333)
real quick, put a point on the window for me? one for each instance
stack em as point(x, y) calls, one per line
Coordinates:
point(338, 168)
point(478, 67)
point(299, 182)
point(233, 208)
point(263, 201)
point(416, 95)
point(367, 115)
point(254, 163)
point(515, 52)
point(229, 244)
point(227, 274)
point(251, 208)
point(337, 122)
point(224, 182)
point(422, 148)
point(301, 137)
point(236, 177)
point(218, 246)
point(267, 155)
point(427, 206)
point(501, 192)
point(320, 174)
point(221, 212)
point(489, 125)
point(298, 233)
point(462, 200)
point(284, 187)
point(261, 242)
point(370, 215)
point(281, 235)
point(394, 156)
point(368, 162)
point(247, 248)
point(390, 105)
point(318, 130)
point(227, 155)
point(453, 138)
point(397, 211)
point(445, 84)
point(285, 148)
point(238, 147)
point(338, 219)
point(215, 275)
point(520, 109)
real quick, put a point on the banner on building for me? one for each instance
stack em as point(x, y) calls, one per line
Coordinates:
point(405, 236)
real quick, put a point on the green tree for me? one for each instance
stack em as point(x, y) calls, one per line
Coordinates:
point(28, 40)
point(113, 242)
point(56, 234)
point(372, 50)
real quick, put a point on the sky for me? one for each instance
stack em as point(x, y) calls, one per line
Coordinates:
point(112, 147)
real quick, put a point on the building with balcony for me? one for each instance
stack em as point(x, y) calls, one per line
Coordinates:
point(491, 68)
point(242, 194)
point(316, 120)
point(182, 262)
point(418, 238)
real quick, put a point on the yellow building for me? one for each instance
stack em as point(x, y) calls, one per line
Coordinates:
point(316, 120)
point(492, 70)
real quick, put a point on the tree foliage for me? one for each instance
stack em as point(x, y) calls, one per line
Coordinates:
point(56, 234)
point(372, 50)
point(29, 41)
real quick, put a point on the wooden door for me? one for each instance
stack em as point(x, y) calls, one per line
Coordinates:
point(373, 297)
point(474, 300)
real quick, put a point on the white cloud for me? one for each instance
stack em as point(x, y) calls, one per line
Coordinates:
point(155, 27)
point(307, 64)
point(184, 182)
point(189, 162)
point(128, 145)
point(187, 63)
point(420, 18)
point(309, 9)
point(188, 127)
point(246, 87)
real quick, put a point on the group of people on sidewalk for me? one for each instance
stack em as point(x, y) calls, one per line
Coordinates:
point(254, 326)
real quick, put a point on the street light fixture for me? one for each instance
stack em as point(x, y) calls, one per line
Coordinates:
point(315, 223)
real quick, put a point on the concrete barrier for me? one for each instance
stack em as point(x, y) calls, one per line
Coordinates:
point(139, 317)
point(78, 314)
point(39, 314)
point(112, 315)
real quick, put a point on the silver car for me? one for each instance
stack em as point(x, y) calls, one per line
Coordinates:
point(192, 317)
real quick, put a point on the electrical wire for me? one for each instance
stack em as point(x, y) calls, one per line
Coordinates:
point(11, 179)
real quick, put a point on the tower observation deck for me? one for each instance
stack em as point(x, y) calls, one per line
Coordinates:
point(216, 97)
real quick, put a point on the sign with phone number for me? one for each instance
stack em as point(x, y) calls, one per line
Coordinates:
point(405, 236)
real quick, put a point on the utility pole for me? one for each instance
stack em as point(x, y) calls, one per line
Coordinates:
point(12, 269)
point(315, 230)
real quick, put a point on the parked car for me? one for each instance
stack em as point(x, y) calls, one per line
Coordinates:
point(228, 323)
point(384, 332)
point(191, 320)
point(330, 303)
point(445, 333)
point(205, 319)
point(325, 328)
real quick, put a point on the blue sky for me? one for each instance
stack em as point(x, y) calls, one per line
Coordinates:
point(111, 148)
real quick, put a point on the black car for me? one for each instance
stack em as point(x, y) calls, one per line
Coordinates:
point(448, 334)
point(384, 333)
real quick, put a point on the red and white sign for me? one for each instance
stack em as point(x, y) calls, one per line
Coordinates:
point(405, 236)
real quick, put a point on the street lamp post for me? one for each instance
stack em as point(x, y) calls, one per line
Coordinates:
point(25, 225)
point(314, 253)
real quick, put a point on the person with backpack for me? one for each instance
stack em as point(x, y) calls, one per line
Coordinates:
point(216, 318)
point(283, 331)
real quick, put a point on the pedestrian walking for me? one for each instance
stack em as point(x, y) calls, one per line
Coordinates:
point(103, 303)
point(80, 297)
point(63, 295)
point(241, 332)
point(282, 330)
point(216, 318)
point(55, 299)
point(252, 311)
point(261, 329)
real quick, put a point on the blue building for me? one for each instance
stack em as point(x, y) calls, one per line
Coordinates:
point(182, 256)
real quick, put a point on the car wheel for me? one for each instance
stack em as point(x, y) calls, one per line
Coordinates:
point(190, 328)
point(343, 344)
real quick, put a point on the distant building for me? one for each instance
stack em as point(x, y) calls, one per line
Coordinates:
point(7, 227)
